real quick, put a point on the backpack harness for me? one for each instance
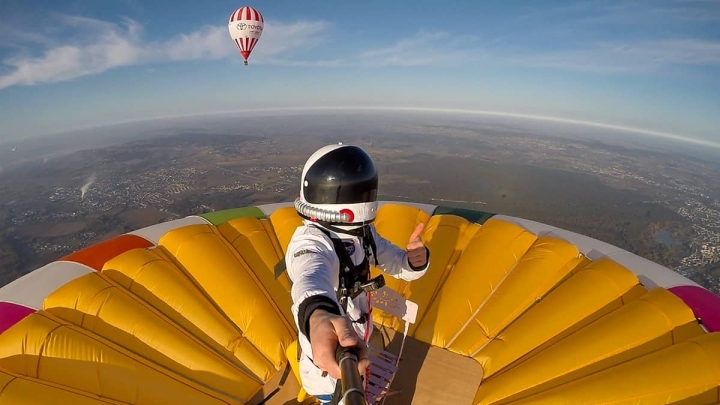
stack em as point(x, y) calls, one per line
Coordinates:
point(354, 279)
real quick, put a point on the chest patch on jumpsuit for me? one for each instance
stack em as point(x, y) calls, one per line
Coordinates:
point(349, 246)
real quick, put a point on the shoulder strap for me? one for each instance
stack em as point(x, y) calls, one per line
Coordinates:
point(346, 266)
point(354, 273)
point(340, 251)
point(370, 240)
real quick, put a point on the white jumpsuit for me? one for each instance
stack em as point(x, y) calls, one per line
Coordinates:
point(313, 267)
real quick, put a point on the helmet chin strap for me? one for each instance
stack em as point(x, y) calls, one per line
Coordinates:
point(361, 231)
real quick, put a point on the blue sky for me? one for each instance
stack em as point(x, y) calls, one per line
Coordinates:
point(647, 64)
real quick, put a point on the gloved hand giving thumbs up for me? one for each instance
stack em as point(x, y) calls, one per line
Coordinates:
point(417, 253)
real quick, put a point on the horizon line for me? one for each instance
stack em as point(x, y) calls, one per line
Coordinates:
point(536, 117)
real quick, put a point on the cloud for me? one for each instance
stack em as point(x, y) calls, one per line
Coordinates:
point(91, 46)
point(112, 47)
point(627, 56)
point(628, 12)
point(330, 63)
point(584, 36)
point(611, 36)
point(631, 56)
point(425, 49)
point(97, 46)
point(672, 51)
point(14, 38)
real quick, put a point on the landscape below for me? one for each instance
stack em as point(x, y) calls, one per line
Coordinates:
point(662, 206)
point(190, 311)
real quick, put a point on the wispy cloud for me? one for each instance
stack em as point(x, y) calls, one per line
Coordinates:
point(15, 38)
point(600, 57)
point(633, 15)
point(425, 48)
point(626, 56)
point(612, 35)
point(97, 46)
point(619, 12)
point(79, 46)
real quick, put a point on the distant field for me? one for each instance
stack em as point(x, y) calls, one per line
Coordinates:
point(139, 218)
point(574, 201)
point(229, 164)
point(52, 230)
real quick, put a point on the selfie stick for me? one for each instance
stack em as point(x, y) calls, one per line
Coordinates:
point(353, 392)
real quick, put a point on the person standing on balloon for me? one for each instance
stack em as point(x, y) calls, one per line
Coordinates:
point(334, 247)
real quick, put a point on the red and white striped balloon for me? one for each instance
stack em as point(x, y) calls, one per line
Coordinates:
point(246, 27)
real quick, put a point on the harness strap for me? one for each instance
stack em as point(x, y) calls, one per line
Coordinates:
point(348, 271)
point(364, 233)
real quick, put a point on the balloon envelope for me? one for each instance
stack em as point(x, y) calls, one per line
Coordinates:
point(510, 311)
point(246, 27)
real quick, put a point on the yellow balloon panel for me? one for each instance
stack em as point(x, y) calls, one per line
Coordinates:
point(587, 295)
point(21, 390)
point(153, 278)
point(97, 305)
point(285, 221)
point(647, 324)
point(446, 236)
point(545, 264)
point(252, 241)
point(395, 222)
point(490, 255)
point(270, 231)
point(42, 346)
point(687, 372)
point(231, 284)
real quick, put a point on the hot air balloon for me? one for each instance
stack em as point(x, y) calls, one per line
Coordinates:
point(511, 311)
point(246, 27)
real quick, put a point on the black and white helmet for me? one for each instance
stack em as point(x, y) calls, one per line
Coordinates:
point(339, 186)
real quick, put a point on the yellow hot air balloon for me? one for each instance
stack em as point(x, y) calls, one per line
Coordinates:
point(511, 311)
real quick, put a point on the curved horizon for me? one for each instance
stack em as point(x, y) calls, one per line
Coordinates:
point(536, 117)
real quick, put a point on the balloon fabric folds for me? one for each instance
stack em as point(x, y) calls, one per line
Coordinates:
point(246, 27)
point(511, 311)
